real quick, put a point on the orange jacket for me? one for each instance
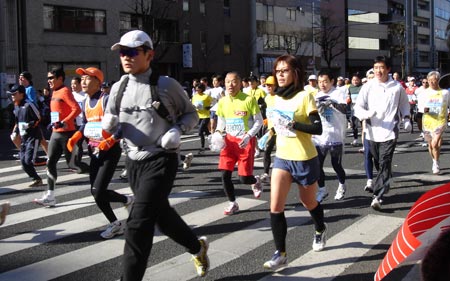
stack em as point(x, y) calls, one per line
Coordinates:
point(68, 108)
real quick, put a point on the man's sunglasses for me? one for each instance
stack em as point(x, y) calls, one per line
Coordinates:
point(130, 52)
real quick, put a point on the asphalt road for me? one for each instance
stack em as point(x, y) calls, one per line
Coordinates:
point(63, 243)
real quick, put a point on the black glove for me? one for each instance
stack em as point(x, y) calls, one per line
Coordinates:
point(56, 125)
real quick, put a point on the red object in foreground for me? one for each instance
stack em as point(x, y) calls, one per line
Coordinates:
point(428, 217)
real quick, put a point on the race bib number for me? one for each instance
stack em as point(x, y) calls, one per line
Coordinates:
point(198, 105)
point(435, 106)
point(235, 126)
point(54, 116)
point(281, 120)
point(93, 130)
point(22, 128)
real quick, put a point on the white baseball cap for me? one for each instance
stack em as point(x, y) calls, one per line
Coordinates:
point(133, 39)
point(312, 77)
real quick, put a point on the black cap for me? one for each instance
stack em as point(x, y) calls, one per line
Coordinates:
point(253, 78)
point(17, 88)
point(106, 85)
point(27, 75)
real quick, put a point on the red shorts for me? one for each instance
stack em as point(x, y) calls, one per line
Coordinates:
point(232, 154)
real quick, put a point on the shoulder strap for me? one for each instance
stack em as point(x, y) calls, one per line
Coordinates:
point(159, 107)
point(119, 96)
point(157, 104)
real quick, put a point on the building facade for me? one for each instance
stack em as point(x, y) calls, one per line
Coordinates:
point(199, 38)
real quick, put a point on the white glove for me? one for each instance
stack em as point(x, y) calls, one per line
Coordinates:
point(217, 143)
point(24, 126)
point(13, 136)
point(407, 124)
point(245, 140)
point(171, 139)
point(110, 122)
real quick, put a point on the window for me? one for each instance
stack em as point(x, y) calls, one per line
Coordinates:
point(291, 14)
point(69, 68)
point(203, 7)
point(186, 36)
point(73, 19)
point(203, 42)
point(363, 43)
point(226, 8)
point(227, 44)
point(185, 5)
point(269, 13)
point(129, 22)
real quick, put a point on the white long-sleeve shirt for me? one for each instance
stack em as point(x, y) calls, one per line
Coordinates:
point(383, 104)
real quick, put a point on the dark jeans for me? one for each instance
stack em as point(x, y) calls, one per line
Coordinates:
point(267, 152)
point(151, 181)
point(56, 147)
point(382, 153)
point(354, 122)
point(203, 130)
point(336, 152)
point(368, 160)
point(101, 171)
point(28, 149)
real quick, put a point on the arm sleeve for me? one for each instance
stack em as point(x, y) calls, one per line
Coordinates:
point(220, 124)
point(258, 121)
point(75, 109)
point(315, 128)
point(360, 107)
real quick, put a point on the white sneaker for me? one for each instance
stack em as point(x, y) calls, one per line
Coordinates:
point(368, 186)
point(265, 178)
point(257, 153)
point(355, 143)
point(319, 241)
point(130, 201)
point(113, 229)
point(232, 208)
point(340, 192)
point(376, 204)
point(278, 260)
point(46, 200)
point(435, 168)
point(257, 187)
point(322, 193)
point(187, 161)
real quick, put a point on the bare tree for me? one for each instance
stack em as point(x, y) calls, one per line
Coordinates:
point(397, 41)
point(294, 42)
point(330, 38)
point(154, 16)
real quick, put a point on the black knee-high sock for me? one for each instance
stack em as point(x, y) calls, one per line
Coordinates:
point(318, 218)
point(279, 230)
point(228, 185)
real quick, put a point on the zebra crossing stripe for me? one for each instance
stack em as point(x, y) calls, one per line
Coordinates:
point(60, 208)
point(341, 251)
point(48, 234)
point(60, 180)
point(225, 249)
point(109, 249)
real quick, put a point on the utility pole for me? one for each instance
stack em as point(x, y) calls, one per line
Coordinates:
point(313, 40)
